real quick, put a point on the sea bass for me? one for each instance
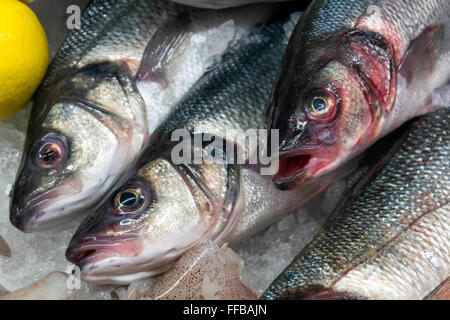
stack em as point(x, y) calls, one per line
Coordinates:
point(110, 85)
point(166, 208)
point(393, 241)
point(354, 71)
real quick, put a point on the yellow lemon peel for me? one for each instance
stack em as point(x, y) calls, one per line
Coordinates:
point(24, 55)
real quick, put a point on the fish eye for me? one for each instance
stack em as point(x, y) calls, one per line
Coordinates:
point(130, 200)
point(319, 105)
point(50, 152)
point(322, 107)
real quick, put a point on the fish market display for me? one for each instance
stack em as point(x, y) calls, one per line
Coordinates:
point(110, 85)
point(205, 272)
point(392, 242)
point(169, 130)
point(166, 208)
point(352, 72)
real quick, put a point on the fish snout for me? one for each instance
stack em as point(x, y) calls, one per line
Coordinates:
point(79, 251)
point(23, 214)
point(20, 220)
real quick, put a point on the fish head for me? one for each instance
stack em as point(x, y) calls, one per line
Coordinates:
point(326, 107)
point(160, 213)
point(73, 153)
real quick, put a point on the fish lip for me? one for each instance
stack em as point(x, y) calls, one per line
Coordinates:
point(318, 157)
point(292, 182)
point(91, 249)
point(286, 183)
point(36, 214)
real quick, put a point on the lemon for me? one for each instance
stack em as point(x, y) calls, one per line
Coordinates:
point(23, 55)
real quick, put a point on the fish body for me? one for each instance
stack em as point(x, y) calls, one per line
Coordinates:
point(168, 207)
point(110, 85)
point(354, 71)
point(392, 242)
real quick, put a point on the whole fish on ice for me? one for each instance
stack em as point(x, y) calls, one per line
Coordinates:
point(393, 241)
point(167, 208)
point(354, 71)
point(110, 85)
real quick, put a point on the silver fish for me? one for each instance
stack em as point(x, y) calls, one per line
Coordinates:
point(167, 208)
point(393, 241)
point(354, 71)
point(110, 85)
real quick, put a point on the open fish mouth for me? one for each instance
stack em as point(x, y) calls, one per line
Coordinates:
point(106, 261)
point(92, 250)
point(296, 168)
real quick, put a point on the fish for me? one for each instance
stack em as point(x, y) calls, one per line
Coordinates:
point(204, 272)
point(353, 72)
point(167, 207)
point(112, 82)
point(221, 4)
point(392, 240)
point(4, 248)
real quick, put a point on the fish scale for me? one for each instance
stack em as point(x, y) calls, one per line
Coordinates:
point(377, 247)
point(353, 72)
point(111, 84)
point(223, 202)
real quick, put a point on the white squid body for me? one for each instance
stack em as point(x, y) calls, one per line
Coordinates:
point(205, 272)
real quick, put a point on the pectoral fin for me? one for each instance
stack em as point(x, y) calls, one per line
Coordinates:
point(421, 61)
point(163, 54)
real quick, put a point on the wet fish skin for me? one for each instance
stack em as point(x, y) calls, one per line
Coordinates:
point(392, 242)
point(369, 66)
point(185, 202)
point(110, 85)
